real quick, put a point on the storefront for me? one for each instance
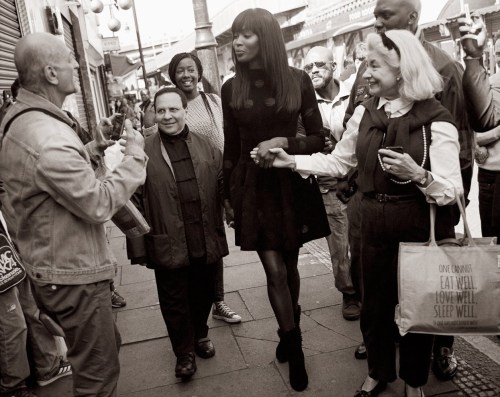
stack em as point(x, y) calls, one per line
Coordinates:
point(11, 30)
point(444, 32)
point(339, 28)
point(20, 17)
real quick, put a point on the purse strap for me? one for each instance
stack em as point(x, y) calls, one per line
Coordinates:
point(460, 201)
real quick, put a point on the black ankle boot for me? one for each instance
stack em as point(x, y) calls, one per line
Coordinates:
point(281, 352)
point(296, 366)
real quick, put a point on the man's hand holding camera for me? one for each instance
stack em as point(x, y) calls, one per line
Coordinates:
point(473, 34)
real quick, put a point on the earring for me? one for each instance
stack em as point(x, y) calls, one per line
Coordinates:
point(398, 78)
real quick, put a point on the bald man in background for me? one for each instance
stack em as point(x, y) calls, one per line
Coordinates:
point(404, 14)
point(333, 96)
point(60, 208)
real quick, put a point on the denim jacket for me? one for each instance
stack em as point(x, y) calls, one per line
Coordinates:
point(59, 205)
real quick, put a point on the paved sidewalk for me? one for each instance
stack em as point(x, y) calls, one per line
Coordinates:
point(244, 364)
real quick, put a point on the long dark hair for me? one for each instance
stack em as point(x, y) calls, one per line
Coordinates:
point(274, 61)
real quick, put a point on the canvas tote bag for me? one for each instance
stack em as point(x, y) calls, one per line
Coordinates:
point(451, 288)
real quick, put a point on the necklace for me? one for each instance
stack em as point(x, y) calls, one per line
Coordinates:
point(424, 137)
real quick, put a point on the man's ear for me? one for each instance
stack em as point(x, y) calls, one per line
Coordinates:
point(50, 75)
point(413, 20)
point(334, 66)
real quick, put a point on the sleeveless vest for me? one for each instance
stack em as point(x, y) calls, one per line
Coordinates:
point(377, 131)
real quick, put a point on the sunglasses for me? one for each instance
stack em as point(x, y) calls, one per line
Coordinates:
point(389, 44)
point(319, 65)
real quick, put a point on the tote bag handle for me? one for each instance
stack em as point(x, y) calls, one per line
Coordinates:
point(460, 200)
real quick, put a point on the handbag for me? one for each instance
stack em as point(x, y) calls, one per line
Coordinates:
point(451, 287)
point(11, 269)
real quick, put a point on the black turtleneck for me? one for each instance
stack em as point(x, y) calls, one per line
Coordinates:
point(189, 195)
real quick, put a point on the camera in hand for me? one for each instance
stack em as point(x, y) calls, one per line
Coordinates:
point(118, 126)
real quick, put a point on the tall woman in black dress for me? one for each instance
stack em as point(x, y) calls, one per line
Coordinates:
point(275, 211)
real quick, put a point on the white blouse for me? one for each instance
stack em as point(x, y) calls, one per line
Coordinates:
point(443, 154)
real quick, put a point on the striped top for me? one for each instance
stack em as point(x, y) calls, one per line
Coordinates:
point(200, 121)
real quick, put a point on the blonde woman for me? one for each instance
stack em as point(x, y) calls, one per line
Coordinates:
point(405, 146)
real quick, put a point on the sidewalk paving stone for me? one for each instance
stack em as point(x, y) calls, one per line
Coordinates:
point(139, 295)
point(244, 276)
point(251, 382)
point(136, 273)
point(141, 324)
point(237, 257)
point(331, 318)
point(151, 364)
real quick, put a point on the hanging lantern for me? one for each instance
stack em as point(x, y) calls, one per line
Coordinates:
point(114, 24)
point(96, 6)
point(125, 4)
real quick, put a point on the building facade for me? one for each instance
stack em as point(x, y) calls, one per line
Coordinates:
point(68, 21)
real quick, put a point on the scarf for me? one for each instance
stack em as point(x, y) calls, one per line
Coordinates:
point(384, 131)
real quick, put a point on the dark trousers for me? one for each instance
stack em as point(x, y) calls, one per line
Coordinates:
point(186, 297)
point(354, 233)
point(219, 281)
point(487, 180)
point(383, 227)
point(93, 341)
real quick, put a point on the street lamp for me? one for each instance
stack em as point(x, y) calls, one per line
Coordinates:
point(206, 45)
point(114, 24)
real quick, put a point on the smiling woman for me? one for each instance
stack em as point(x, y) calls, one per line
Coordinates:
point(405, 146)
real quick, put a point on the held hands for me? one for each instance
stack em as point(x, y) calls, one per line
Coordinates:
point(473, 34)
point(328, 145)
point(131, 139)
point(401, 165)
point(281, 158)
point(264, 157)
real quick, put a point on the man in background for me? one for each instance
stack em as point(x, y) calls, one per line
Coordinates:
point(333, 96)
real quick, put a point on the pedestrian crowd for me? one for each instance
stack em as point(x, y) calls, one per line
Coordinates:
point(283, 156)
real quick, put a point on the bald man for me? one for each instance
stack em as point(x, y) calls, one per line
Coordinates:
point(60, 208)
point(333, 96)
point(404, 14)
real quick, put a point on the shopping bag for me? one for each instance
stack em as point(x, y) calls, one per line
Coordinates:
point(11, 269)
point(450, 289)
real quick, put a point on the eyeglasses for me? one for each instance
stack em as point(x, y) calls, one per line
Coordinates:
point(319, 65)
point(389, 44)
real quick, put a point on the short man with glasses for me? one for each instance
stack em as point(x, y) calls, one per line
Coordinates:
point(333, 96)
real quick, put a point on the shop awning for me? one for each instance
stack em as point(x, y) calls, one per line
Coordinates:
point(121, 65)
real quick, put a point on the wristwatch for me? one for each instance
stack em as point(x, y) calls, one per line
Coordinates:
point(423, 181)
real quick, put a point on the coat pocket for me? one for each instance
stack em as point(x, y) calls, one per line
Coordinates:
point(159, 250)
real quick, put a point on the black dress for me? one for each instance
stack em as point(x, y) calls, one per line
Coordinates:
point(275, 209)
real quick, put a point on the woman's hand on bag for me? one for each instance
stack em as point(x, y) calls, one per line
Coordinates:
point(264, 157)
point(401, 165)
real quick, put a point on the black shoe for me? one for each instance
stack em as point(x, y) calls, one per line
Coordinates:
point(281, 352)
point(186, 366)
point(204, 348)
point(379, 388)
point(296, 365)
point(351, 307)
point(360, 352)
point(444, 364)
point(421, 392)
